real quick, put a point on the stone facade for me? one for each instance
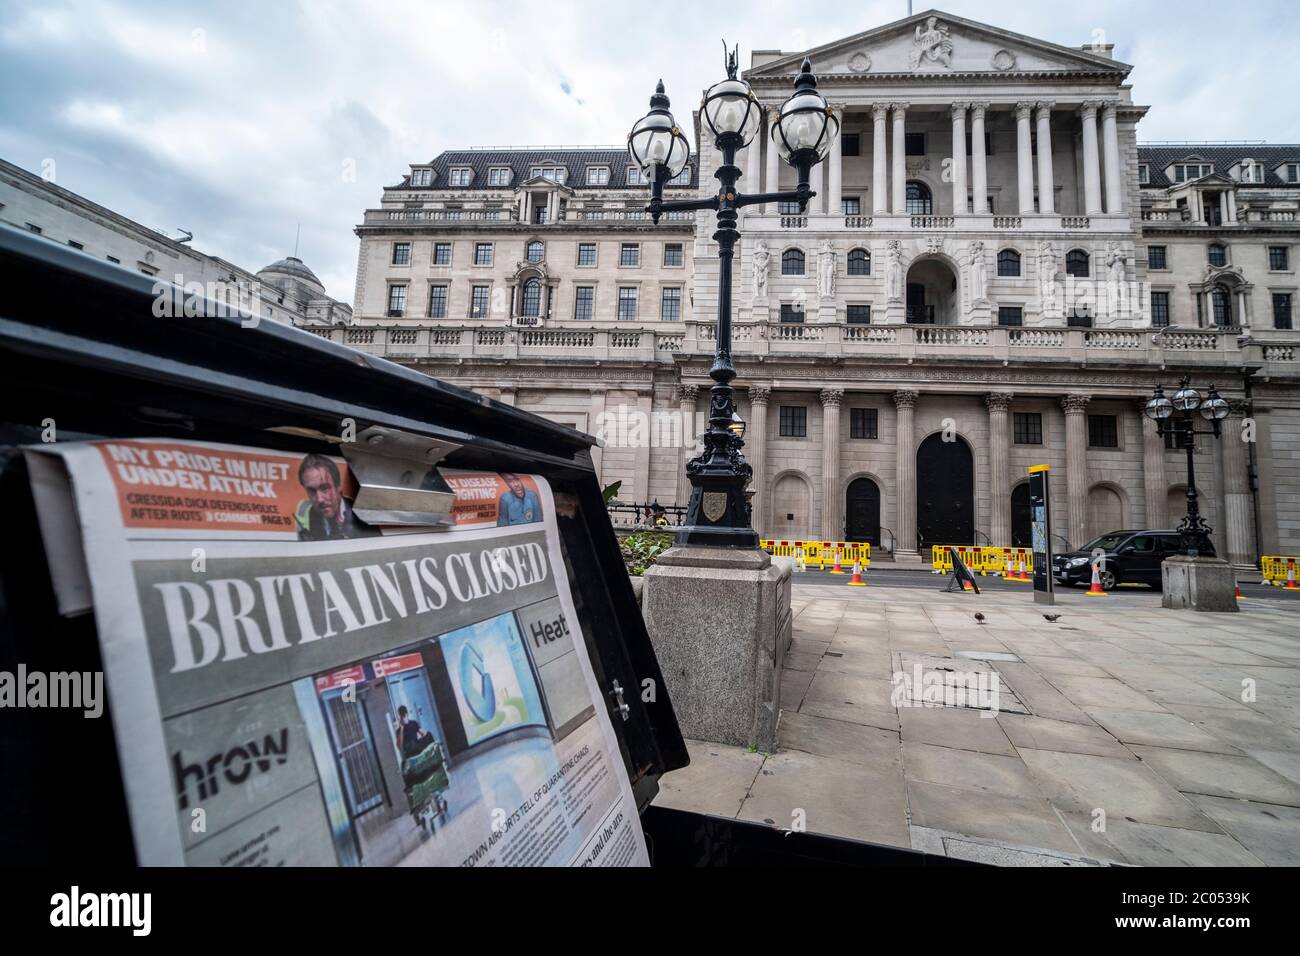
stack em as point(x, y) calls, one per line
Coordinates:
point(996, 301)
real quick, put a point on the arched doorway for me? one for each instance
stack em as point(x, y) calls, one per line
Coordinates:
point(1105, 512)
point(932, 295)
point(945, 492)
point(862, 511)
point(1022, 535)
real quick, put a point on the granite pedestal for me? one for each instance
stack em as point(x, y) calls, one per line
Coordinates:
point(721, 625)
point(1201, 584)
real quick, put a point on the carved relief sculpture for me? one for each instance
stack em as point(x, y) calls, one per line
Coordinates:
point(761, 257)
point(1047, 277)
point(826, 270)
point(894, 271)
point(931, 42)
point(978, 273)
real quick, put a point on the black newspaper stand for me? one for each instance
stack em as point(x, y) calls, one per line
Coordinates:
point(80, 347)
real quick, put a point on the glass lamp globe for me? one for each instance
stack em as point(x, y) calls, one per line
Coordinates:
point(737, 426)
point(806, 126)
point(1214, 407)
point(657, 141)
point(731, 109)
point(1186, 399)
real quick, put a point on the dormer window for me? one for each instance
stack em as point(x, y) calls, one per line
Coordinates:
point(499, 176)
point(683, 178)
point(1186, 172)
point(554, 173)
point(597, 175)
point(460, 175)
point(1289, 172)
point(635, 177)
point(1144, 173)
point(1251, 171)
point(422, 177)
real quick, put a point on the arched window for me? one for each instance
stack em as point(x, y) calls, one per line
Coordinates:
point(919, 202)
point(532, 297)
point(1076, 263)
point(536, 251)
point(1217, 254)
point(1008, 263)
point(859, 262)
point(792, 262)
point(1221, 304)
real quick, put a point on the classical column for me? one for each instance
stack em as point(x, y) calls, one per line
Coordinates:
point(1046, 187)
point(959, 158)
point(1232, 204)
point(905, 450)
point(1110, 143)
point(879, 158)
point(831, 398)
point(1024, 159)
point(978, 165)
point(641, 452)
point(686, 397)
point(772, 179)
point(818, 179)
point(1155, 482)
point(1240, 517)
point(999, 469)
point(754, 163)
point(1091, 161)
point(756, 452)
point(835, 173)
point(594, 417)
point(898, 186)
point(1076, 465)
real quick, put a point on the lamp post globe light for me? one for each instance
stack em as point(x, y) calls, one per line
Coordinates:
point(718, 513)
point(1176, 417)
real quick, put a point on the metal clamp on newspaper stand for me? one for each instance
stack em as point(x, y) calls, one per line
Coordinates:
point(397, 479)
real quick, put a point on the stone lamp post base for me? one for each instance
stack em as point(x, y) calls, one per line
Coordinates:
point(1202, 584)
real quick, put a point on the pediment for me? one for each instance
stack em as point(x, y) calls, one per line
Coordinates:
point(936, 43)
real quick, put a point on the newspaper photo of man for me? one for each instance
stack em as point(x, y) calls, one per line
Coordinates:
point(519, 505)
point(326, 514)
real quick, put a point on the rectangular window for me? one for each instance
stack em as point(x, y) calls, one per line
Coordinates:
point(114, 259)
point(396, 301)
point(1157, 257)
point(539, 215)
point(437, 301)
point(863, 423)
point(794, 421)
point(1103, 431)
point(858, 314)
point(1144, 174)
point(683, 178)
point(1011, 315)
point(586, 253)
point(791, 312)
point(1278, 260)
point(1291, 172)
point(851, 144)
point(787, 208)
point(672, 253)
point(584, 302)
point(553, 173)
point(670, 310)
point(499, 176)
point(401, 253)
point(479, 301)
point(442, 253)
point(627, 303)
point(629, 254)
point(422, 177)
point(914, 144)
point(1078, 320)
point(851, 206)
point(1282, 310)
point(1159, 310)
point(597, 175)
point(1027, 428)
point(482, 253)
point(460, 176)
point(635, 177)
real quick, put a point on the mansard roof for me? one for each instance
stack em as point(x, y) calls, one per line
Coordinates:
point(1223, 156)
point(977, 48)
point(575, 159)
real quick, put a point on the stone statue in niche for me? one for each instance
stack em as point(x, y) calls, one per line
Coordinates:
point(931, 42)
point(1116, 262)
point(761, 258)
point(978, 273)
point(1047, 277)
point(826, 270)
point(894, 271)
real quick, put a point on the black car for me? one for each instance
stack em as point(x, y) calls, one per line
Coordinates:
point(1131, 557)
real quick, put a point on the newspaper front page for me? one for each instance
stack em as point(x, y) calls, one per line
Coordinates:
point(290, 687)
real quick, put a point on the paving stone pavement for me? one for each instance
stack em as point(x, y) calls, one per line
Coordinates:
point(1131, 735)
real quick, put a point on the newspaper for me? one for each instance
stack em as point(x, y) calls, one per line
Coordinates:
point(290, 687)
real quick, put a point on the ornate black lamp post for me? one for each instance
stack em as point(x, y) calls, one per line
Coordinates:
point(717, 513)
point(1194, 532)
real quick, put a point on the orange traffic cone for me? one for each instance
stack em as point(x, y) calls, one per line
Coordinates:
point(1290, 577)
point(856, 581)
point(1095, 590)
point(837, 569)
point(1010, 573)
point(1236, 587)
point(1020, 574)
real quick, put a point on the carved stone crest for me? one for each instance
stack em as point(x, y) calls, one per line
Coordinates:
point(1003, 60)
point(931, 42)
point(859, 63)
point(714, 504)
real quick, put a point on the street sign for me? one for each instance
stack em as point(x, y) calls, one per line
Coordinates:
point(1040, 519)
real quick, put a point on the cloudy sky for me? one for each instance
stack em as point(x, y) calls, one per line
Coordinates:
point(241, 120)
